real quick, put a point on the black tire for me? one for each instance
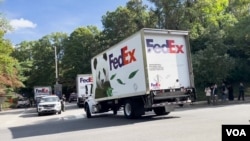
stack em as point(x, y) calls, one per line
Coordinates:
point(39, 114)
point(59, 112)
point(88, 113)
point(181, 105)
point(115, 109)
point(160, 111)
point(129, 109)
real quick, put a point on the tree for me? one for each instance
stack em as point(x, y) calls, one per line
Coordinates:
point(9, 66)
point(43, 59)
point(170, 13)
point(125, 21)
point(23, 53)
point(78, 51)
point(211, 67)
point(238, 38)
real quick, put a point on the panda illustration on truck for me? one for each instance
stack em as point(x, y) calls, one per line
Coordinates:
point(102, 77)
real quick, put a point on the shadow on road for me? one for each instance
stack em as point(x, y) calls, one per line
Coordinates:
point(55, 126)
point(205, 105)
point(72, 105)
point(33, 113)
point(12, 112)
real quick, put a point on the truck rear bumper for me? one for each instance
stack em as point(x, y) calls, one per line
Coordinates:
point(170, 103)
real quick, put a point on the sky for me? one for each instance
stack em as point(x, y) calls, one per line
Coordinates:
point(33, 19)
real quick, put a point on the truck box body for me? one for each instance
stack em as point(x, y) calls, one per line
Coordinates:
point(42, 90)
point(151, 67)
point(148, 60)
point(84, 87)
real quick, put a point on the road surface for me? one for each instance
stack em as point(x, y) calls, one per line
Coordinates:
point(190, 123)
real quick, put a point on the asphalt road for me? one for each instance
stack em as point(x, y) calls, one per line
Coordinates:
point(197, 122)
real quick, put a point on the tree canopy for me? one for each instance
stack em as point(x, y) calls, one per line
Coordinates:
point(219, 36)
point(9, 66)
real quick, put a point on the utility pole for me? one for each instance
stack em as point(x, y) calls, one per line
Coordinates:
point(56, 65)
point(57, 86)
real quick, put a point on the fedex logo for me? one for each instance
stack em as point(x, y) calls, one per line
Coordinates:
point(167, 47)
point(156, 85)
point(42, 90)
point(82, 80)
point(126, 57)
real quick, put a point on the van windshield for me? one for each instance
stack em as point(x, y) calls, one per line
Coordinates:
point(49, 99)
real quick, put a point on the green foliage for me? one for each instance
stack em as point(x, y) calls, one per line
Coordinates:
point(125, 21)
point(211, 66)
point(238, 38)
point(219, 35)
point(78, 51)
point(4, 25)
point(9, 75)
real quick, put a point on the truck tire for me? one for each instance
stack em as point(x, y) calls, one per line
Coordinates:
point(181, 105)
point(129, 109)
point(88, 113)
point(115, 111)
point(160, 111)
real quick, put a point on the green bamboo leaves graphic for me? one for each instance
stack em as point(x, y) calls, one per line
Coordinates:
point(120, 81)
point(131, 75)
point(109, 92)
point(112, 77)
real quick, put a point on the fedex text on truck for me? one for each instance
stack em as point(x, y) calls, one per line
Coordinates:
point(168, 47)
point(42, 90)
point(126, 57)
point(82, 80)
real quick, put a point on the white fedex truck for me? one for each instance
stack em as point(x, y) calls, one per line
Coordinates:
point(149, 71)
point(40, 91)
point(84, 85)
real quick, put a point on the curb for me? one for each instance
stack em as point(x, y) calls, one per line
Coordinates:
point(247, 100)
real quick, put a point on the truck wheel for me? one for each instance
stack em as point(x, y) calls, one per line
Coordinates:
point(88, 113)
point(115, 109)
point(160, 111)
point(181, 105)
point(128, 109)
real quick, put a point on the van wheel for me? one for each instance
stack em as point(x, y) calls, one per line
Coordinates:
point(128, 109)
point(88, 113)
point(60, 112)
point(160, 111)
